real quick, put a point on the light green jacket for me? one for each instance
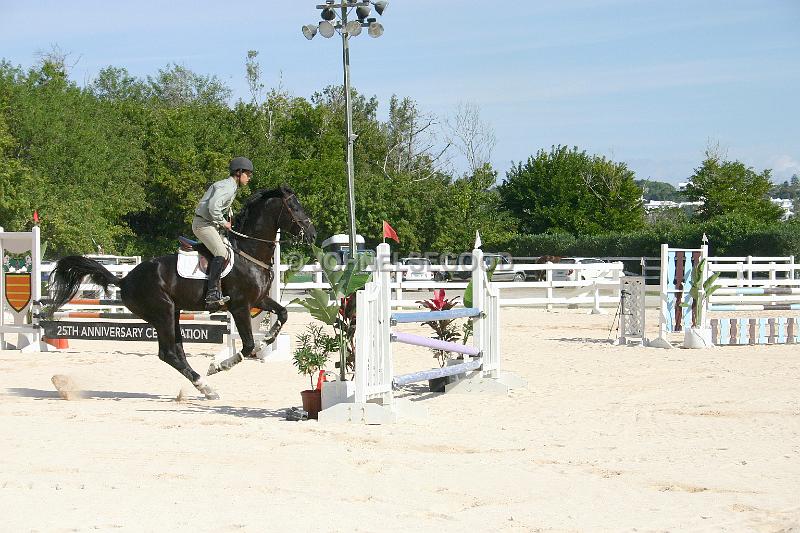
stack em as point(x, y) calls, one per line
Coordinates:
point(217, 201)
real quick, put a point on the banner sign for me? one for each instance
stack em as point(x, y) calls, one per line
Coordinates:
point(129, 331)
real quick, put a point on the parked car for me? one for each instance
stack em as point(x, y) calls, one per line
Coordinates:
point(504, 271)
point(581, 274)
point(419, 269)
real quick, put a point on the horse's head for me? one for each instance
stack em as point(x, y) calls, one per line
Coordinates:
point(294, 218)
point(268, 211)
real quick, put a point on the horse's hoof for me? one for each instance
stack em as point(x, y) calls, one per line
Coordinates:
point(206, 389)
point(212, 369)
point(267, 340)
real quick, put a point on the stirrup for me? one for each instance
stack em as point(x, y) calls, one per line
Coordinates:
point(215, 305)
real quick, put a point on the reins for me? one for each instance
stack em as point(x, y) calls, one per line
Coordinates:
point(273, 242)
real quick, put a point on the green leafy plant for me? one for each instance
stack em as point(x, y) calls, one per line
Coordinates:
point(700, 292)
point(313, 350)
point(336, 306)
point(445, 330)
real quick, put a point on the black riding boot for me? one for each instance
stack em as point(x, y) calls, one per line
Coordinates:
point(214, 298)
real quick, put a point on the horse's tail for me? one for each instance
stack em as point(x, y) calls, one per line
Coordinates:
point(67, 276)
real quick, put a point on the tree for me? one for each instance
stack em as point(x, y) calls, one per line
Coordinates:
point(729, 187)
point(658, 190)
point(473, 137)
point(74, 158)
point(468, 205)
point(566, 190)
point(410, 140)
point(176, 85)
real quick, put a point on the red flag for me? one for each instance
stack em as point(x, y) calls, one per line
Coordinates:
point(35, 216)
point(389, 232)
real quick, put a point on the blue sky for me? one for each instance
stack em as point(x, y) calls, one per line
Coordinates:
point(650, 83)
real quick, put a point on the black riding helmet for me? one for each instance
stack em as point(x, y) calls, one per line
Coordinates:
point(240, 163)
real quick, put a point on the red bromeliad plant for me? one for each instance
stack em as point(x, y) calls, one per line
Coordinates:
point(445, 329)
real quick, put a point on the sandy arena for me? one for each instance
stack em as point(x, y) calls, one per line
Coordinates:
point(604, 438)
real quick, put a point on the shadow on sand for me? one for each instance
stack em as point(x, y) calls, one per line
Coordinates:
point(198, 407)
point(84, 394)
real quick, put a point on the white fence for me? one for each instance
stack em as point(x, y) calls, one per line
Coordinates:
point(600, 289)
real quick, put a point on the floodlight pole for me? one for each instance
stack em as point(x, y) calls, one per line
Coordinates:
point(375, 30)
point(351, 191)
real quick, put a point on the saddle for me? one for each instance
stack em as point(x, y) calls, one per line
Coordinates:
point(193, 258)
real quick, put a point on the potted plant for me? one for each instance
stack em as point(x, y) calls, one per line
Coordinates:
point(445, 330)
point(310, 357)
point(336, 307)
point(698, 335)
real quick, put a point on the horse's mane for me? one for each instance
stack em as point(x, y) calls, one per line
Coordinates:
point(254, 203)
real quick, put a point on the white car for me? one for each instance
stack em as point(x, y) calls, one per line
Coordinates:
point(581, 274)
point(419, 269)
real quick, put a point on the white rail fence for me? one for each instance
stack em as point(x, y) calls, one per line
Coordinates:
point(601, 289)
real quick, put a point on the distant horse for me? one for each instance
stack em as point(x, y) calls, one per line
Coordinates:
point(541, 275)
point(154, 291)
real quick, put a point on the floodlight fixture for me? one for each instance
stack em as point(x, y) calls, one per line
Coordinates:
point(326, 29)
point(349, 23)
point(310, 30)
point(375, 29)
point(328, 14)
point(380, 6)
point(353, 28)
point(362, 12)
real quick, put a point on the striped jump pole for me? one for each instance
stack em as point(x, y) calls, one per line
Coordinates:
point(754, 307)
point(758, 291)
point(435, 344)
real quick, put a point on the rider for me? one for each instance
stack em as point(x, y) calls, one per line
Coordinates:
point(209, 218)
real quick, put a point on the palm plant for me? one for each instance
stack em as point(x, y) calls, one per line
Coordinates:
point(336, 306)
point(700, 292)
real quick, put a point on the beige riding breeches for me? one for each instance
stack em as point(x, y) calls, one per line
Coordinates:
point(208, 234)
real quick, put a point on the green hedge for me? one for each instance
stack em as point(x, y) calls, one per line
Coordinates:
point(727, 235)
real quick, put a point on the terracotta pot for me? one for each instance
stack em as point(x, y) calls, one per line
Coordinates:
point(312, 402)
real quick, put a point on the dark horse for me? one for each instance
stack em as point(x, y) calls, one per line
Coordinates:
point(154, 291)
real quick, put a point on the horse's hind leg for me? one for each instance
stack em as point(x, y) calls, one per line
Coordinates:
point(170, 350)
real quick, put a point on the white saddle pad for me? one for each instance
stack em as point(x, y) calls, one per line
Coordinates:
point(189, 265)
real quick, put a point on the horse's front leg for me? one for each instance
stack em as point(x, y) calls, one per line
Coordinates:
point(271, 306)
point(241, 317)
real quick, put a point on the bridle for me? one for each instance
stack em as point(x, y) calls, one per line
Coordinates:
point(297, 222)
point(273, 242)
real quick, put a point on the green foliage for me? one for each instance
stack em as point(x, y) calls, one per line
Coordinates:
point(700, 292)
point(568, 190)
point(445, 330)
point(336, 306)
point(72, 158)
point(313, 350)
point(730, 188)
point(122, 163)
point(659, 190)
